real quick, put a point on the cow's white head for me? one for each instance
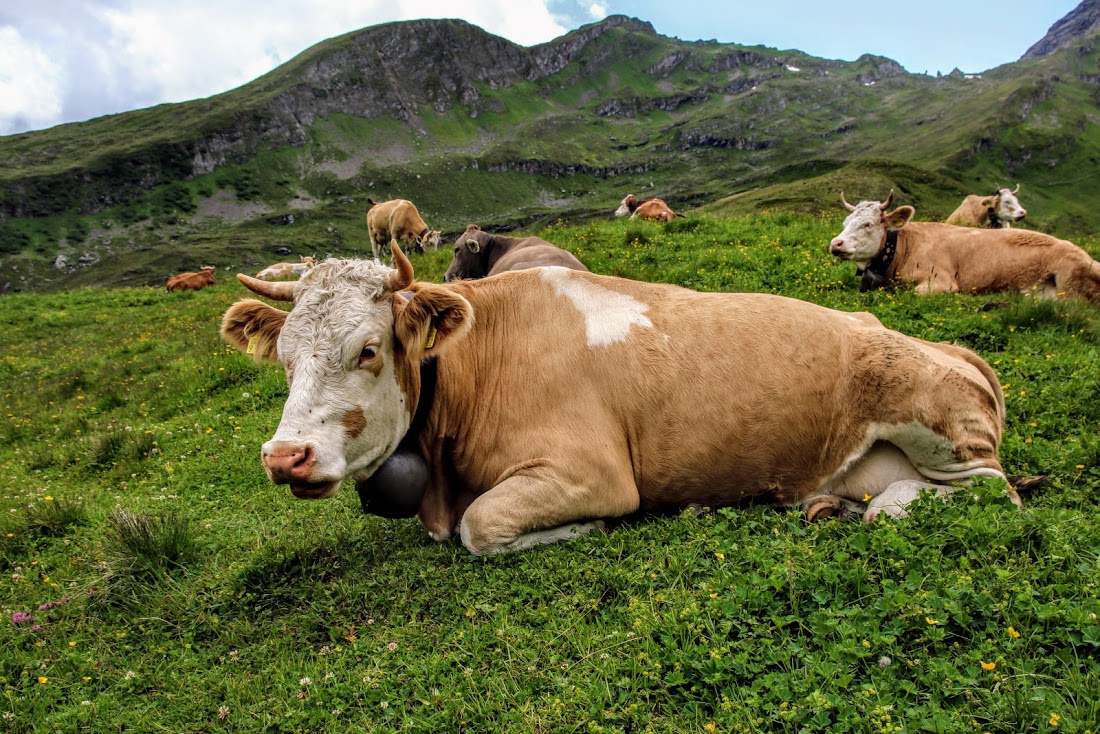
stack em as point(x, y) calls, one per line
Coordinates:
point(864, 232)
point(1007, 206)
point(628, 205)
point(352, 347)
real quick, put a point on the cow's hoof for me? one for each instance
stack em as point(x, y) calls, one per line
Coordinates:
point(819, 508)
point(396, 488)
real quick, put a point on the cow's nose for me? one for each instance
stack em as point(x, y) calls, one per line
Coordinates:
point(289, 463)
point(836, 246)
point(1022, 214)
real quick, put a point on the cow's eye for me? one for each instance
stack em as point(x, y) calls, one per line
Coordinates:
point(369, 354)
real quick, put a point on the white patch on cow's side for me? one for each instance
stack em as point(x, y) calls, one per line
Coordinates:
point(608, 315)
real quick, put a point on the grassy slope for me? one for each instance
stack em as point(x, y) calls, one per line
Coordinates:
point(271, 614)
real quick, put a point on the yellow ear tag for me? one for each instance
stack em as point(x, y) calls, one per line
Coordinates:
point(251, 349)
point(430, 341)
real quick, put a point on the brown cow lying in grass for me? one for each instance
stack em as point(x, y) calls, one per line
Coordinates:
point(399, 220)
point(478, 254)
point(655, 209)
point(192, 281)
point(538, 401)
point(942, 258)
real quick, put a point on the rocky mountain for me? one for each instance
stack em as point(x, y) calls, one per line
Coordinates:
point(1080, 24)
point(475, 128)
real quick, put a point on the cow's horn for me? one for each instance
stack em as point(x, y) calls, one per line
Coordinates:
point(845, 202)
point(401, 278)
point(1017, 189)
point(889, 200)
point(280, 290)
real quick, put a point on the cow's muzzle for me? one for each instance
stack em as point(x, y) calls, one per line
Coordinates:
point(294, 465)
point(836, 249)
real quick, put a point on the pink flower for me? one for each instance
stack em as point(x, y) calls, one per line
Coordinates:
point(21, 618)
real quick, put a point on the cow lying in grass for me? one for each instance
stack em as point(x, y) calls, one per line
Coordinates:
point(478, 254)
point(191, 281)
point(654, 209)
point(544, 399)
point(888, 246)
point(287, 270)
point(996, 211)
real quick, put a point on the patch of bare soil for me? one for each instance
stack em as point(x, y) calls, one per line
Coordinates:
point(227, 207)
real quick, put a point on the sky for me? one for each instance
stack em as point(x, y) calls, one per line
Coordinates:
point(73, 60)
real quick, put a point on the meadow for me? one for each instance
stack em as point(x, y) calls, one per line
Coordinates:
point(153, 580)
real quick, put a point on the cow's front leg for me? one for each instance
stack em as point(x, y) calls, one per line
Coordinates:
point(539, 507)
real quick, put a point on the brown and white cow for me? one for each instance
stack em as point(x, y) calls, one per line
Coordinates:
point(192, 281)
point(561, 397)
point(478, 254)
point(943, 258)
point(398, 219)
point(287, 270)
point(655, 209)
point(996, 211)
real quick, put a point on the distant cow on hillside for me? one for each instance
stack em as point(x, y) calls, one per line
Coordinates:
point(398, 220)
point(942, 258)
point(996, 211)
point(192, 281)
point(286, 270)
point(478, 254)
point(655, 209)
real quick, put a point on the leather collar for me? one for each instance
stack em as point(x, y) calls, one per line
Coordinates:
point(877, 273)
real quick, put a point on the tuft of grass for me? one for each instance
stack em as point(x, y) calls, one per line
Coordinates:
point(54, 517)
point(149, 545)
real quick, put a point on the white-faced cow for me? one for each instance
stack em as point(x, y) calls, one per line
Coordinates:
point(191, 281)
point(655, 209)
point(547, 398)
point(478, 254)
point(398, 220)
point(996, 211)
point(287, 270)
point(941, 258)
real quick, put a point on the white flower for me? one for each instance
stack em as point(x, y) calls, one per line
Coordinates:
point(305, 682)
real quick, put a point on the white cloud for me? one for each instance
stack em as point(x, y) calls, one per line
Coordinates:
point(29, 83)
point(598, 11)
point(104, 56)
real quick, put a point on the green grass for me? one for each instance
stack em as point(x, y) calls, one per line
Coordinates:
point(174, 589)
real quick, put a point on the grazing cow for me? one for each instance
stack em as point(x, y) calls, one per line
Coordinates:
point(942, 258)
point(192, 281)
point(655, 209)
point(478, 254)
point(542, 399)
point(399, 220)
point(996, 211)
point(287, 270)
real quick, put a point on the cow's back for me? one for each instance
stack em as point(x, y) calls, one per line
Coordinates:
point(534, 253)
point(985, 260)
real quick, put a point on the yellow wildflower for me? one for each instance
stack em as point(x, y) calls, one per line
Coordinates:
point(987, 666)
point(866, 498)
point(719, 556)
point(929, 620)
point(1054, 719)
point(1012, 632)
point(43, 679)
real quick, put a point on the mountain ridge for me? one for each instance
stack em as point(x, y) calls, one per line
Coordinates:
point(514, 136)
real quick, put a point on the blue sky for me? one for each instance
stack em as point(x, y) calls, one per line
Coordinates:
point(71, 60)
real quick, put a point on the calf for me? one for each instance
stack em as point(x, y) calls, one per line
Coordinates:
point(996, 211)
point(478, 254)
point(399, 220)
point(655, 209)
point(942, 258)
point(287, 270)
point(192, 281)
point(543, 399)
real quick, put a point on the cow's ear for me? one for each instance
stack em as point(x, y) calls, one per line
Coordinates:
point(253, 327)
point(899, 217)
point(473, 245)
point(433, 319)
